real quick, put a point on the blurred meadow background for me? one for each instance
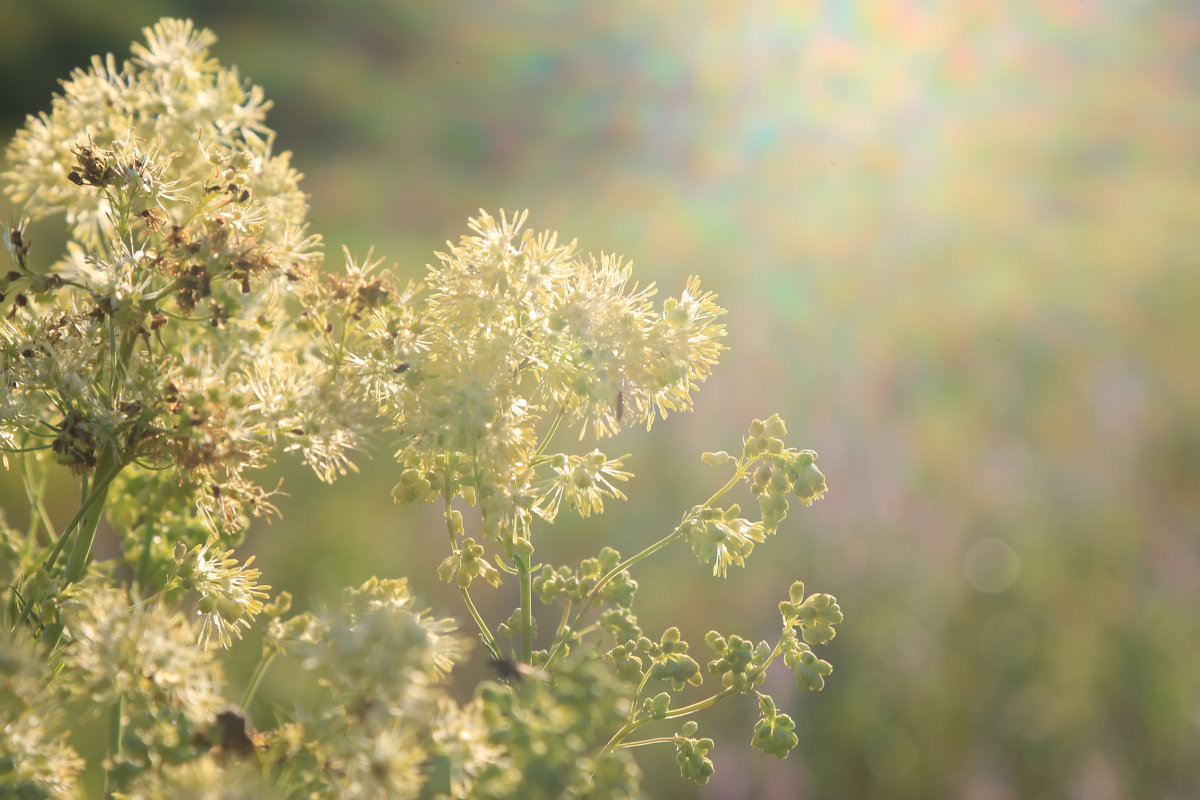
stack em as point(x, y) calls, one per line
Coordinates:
point(958, 244)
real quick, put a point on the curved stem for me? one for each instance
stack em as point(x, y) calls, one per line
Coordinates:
point(644, 742)
point(107, 468)
point(683, 711)
point(633, 725)
point(81, 530)
point(30, 449)
point(549, 434)
point(35, 492)
point(699, 705)
point(595, 592)
point(260, 669)
point(562, 623)
point(626, 729)
point(638, 694)
point(89, 500)
point(738, 474)
point(485, 633)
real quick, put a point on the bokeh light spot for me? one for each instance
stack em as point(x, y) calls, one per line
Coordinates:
point(991, 566)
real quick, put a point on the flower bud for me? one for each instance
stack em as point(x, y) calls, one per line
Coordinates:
point(716, 459)
point(810, 485)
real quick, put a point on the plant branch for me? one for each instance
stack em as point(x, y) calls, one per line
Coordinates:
point(485, 633)
point(632, 560)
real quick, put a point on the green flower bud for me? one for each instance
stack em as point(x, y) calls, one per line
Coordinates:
point(716, 459)
point(522, 547)
point(810, 483)
point(658, 706)
point(774, 733)
point(679, 669)
point(609, 558)
point(690, 754)
point(810, 672)
point(447, 568)
point(622, 624)
point(629, 667)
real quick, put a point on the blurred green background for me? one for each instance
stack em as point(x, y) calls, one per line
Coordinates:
point(958, 243)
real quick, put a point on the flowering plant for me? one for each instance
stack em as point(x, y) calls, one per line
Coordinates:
point(190, 333)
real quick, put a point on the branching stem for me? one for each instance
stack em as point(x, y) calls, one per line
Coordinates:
point(556, 653)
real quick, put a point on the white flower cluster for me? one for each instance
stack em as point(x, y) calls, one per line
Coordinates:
point(519, 335)
point(163, 336)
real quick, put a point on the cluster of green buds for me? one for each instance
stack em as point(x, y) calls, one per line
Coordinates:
point(720, 536)
point(781, 472)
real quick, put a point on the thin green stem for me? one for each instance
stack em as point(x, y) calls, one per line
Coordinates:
point(110, 330)
point(638, 694)
point(556, 652)
point(683, 711)
point(107, 468)
point(526, 583)
point(81, 530)
point(260, 669)
point(633, 725)
point(89, 500)
point(115, 730)
point(582, 632)
point(699, 705)
point(549, 434)
point(626, 729)
point(560, 644)
point(562, 623)
point(644, 742)
point(485, 633)
point(30, 449)
point(35, 492)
